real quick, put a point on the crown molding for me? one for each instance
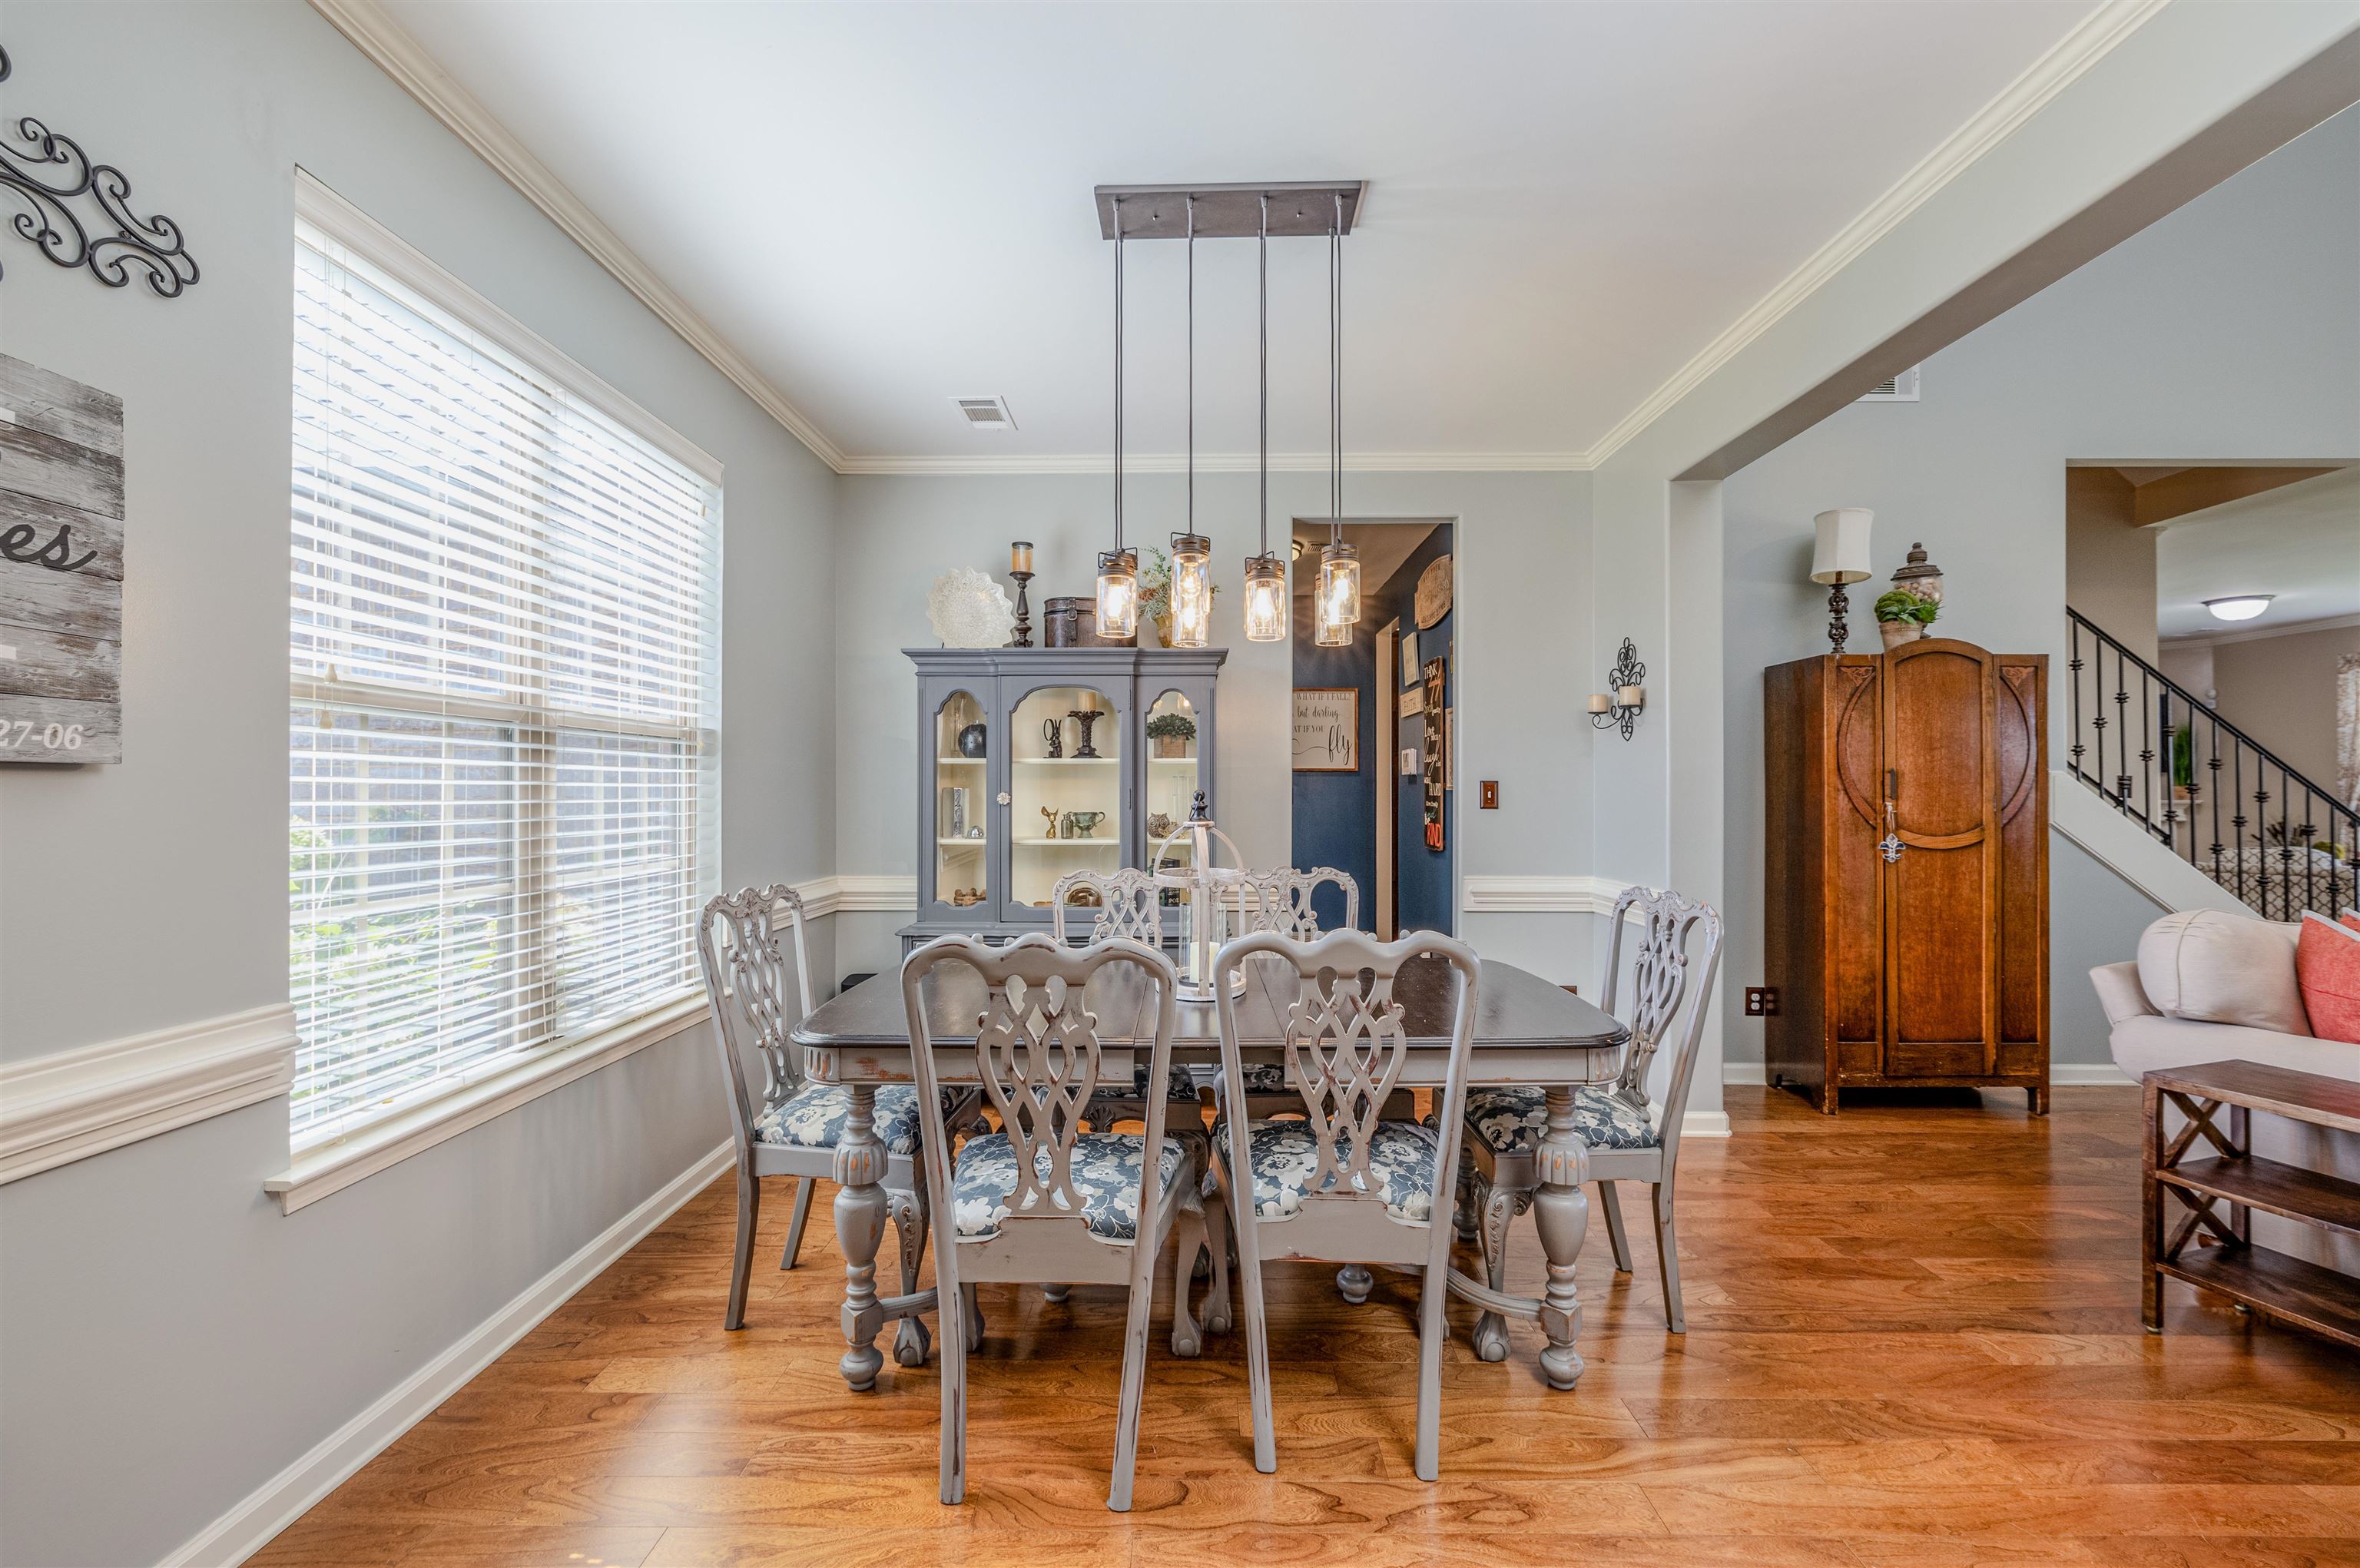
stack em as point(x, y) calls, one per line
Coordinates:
point(2072, 56)
point(1229, 463)
point(67, 1105)
point(394, 51)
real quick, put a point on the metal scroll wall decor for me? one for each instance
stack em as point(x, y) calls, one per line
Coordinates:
point(50, 174)
point(1618, 706)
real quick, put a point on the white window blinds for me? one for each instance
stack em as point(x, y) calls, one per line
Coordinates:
point(505, 660)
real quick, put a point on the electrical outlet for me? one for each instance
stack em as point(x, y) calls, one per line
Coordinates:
point(1762, 1002)
point(1491, 792)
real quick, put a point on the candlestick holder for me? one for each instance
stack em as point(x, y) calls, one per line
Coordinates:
point(1024, 611)
point(1618, 707)
point(1085, 717)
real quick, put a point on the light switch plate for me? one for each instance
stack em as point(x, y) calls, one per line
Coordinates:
point(1490, 789)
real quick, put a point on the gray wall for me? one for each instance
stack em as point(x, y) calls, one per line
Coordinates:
point(172, 1341)
point(2228, 330)
point(1522, 603)
point(2281, 691)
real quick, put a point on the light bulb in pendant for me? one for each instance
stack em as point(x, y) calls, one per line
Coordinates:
point(1192, 590)
point(1338, 598)
point(1265, 599)
point(1117, 593)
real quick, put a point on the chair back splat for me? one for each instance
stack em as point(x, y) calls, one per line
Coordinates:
point(1130, 904)
point(1659, 982)
point(746, 982)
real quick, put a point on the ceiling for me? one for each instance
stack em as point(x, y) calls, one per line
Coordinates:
point(2301, 541)
point(885, 206)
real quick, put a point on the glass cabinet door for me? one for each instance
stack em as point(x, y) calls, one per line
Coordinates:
point(962, 804)
point(1065, 789)
point(1174, 757)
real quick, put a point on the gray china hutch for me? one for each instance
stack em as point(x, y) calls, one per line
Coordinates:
point(1033, 762)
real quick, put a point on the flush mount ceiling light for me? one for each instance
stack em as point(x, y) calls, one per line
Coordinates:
point(1325, 208)
point(2239, 607)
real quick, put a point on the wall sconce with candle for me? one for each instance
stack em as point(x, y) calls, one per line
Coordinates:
point(1618, 710)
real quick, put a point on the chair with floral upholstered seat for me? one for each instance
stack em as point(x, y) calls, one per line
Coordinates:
point(1626, 1142)
point(793, 1128)
point(1344, 1185)
point(1041, 1200)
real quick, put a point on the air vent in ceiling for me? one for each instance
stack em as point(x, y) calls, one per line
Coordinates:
point(1901, 389)
point(984, 413)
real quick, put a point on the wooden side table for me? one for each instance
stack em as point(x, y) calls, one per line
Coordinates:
point(2266, 1281)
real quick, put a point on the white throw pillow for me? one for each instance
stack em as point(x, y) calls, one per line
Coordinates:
point(2221, 969)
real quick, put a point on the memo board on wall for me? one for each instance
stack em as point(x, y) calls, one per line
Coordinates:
point(60, 568)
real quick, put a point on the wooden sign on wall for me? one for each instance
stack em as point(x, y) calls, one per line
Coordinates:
point(1326, 729)
point(60, 569)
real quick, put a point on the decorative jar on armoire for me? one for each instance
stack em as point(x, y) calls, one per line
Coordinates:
point(1905, 864)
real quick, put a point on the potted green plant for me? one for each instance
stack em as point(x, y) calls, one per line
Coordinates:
point(1172, 733)
point(1902, 615)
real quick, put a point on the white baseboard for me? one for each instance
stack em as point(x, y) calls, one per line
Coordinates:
point(67, 1105)
point(285, 1498)
point(2061, 1074)
point(1705, 1124)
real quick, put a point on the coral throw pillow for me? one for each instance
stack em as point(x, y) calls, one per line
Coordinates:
point(2327, 967)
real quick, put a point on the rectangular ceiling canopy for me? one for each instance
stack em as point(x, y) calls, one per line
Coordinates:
point(1229, 212)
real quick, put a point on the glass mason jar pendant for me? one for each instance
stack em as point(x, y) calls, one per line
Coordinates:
point(1117, 593)
point(1192, 590)
point(1337, 606)
point(1265, 599)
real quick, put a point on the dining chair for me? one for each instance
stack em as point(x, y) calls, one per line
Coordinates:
point(1042, 1201)
point(1129, 905)
point(793, 1128)
point(1626, 1143)
point(1345, 1184)
point(1281, 901)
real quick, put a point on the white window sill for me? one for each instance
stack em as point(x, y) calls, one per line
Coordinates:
point(334, 1165)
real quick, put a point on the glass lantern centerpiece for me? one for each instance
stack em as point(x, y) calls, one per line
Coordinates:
point(1210, 896)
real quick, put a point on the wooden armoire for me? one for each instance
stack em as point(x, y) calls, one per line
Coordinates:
point(1907, 871)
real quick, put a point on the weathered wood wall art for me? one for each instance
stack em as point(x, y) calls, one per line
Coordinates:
point(60, 569)
point(1326, 729)
point(1434, 591)
point(50, 174)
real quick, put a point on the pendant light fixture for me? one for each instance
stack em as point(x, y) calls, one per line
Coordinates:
point(1336, 606)
point(1265, 573)
point(1117, 567)
point(1191, 583)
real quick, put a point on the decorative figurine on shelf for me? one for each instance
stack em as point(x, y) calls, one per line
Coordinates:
point(966, 895)
point(1085, 717)
point(1019, 566)
point(1160, 827)
point(1084, 823)
point(1053, 730)
point(1051, 813)
point(971, 739)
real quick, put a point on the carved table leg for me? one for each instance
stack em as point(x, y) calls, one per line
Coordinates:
point(860, 1209)
point(1500, 1206)
point(1561, 1215)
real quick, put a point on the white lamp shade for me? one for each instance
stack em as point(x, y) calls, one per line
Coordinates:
point(1841, 555)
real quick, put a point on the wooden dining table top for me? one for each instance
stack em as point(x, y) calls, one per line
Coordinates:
point(1526, 1030)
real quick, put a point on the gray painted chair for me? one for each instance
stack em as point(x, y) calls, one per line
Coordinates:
point(795, 1126)
point(1280, 901)
point(1042, 1201)
point(1625, 1143)
point(1344, 1184)
point(1130, 904)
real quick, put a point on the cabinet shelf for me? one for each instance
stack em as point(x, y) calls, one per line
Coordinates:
point(963, 843)
point(1066, 762)
point(959, 761)
point(1071, 843)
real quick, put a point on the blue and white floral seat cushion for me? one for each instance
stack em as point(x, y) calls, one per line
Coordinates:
point(813, 1118)
point(1285, 1155)
point(1511, 1121)
point(1106, 1167)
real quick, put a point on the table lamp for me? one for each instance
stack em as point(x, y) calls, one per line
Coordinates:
point(1841, 556)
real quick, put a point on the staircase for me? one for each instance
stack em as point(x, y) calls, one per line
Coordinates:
point(2203, 788)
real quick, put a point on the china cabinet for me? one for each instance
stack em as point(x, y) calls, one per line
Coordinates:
point(1037, 761)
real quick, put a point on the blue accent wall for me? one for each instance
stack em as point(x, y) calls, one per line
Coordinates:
point(1422, 877)
point(1335, 814)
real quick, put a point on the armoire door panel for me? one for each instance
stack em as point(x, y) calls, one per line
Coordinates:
point(1934, 742)
point(1856, 922)
point(1939, 959)
point(2021, 739)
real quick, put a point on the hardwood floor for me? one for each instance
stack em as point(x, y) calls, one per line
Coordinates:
point(1913, 1342)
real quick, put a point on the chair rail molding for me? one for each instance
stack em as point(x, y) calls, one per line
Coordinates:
point(1539, 894)
point(70, 1104)
point(836, 894)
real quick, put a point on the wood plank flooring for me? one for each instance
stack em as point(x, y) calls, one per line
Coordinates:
point(1913, 1342)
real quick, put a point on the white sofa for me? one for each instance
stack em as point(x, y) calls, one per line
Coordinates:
point(2143, 1039)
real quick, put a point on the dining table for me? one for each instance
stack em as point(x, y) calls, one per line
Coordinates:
point(1526, 1031)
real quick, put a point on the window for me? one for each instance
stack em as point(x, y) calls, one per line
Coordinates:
point(504, 653)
